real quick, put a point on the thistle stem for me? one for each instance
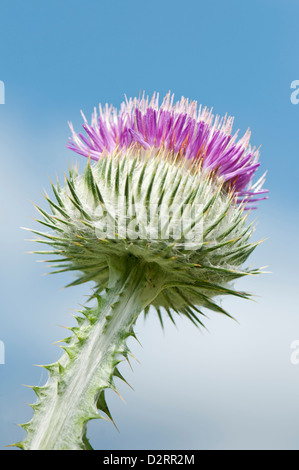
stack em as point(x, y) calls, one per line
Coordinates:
point(75, 390)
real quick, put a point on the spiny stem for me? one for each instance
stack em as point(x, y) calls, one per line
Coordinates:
point(75, 390)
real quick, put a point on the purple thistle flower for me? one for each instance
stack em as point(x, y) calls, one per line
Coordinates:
point(180, 128)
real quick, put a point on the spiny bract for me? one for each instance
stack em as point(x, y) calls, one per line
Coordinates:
point(153, 207)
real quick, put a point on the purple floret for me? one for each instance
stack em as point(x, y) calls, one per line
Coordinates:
point(180, 128)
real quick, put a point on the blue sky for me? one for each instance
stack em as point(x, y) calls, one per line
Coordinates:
point(237, 57)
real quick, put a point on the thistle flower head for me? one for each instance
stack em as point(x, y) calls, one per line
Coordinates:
point(181, 128)
point(168, 189)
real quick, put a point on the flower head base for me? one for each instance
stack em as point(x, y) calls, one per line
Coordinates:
point(192, 134)
point(188, 233)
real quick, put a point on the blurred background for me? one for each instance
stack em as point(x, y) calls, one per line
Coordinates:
point(233, 386)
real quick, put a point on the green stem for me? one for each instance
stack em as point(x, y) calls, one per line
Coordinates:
point(75, 390)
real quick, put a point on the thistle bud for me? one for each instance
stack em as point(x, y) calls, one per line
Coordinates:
point(169, 186)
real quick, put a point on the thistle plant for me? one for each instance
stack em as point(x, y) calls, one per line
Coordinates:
point(158, 221)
